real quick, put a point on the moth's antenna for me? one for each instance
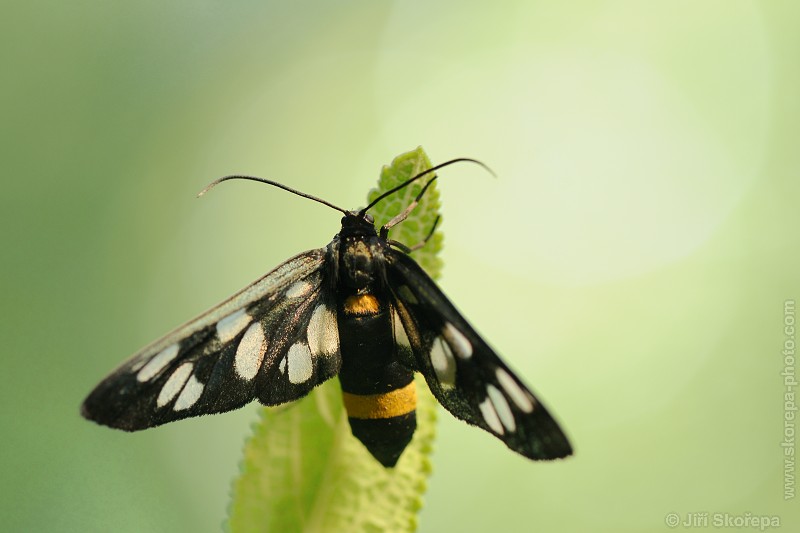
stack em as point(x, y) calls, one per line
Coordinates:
point(423, 173)
point(273, 183)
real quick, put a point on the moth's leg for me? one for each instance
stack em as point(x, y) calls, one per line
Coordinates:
point(404, 214)
point(409, 249)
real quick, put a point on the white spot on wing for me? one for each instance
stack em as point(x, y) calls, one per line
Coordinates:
point(299, 289)
point(458, 341)
point(514, 391)
point(232, 325)
point(400, 336)
point(189, 395)
point(490, 416)
point(282, 365)
point(174, 384)
point(323, 332)
point(299, 363)
point(157, 363)
point(501, 407)
point(444, 364)
point(250, 352)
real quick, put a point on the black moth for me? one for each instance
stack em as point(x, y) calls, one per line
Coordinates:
point(359, 308)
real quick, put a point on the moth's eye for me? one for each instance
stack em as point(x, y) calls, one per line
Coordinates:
point(369, 218)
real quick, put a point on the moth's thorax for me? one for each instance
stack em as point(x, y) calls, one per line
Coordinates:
point(360, 255)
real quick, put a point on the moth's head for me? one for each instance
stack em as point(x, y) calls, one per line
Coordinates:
point(358, 223)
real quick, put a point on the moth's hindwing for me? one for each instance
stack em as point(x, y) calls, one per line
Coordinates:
point(462, 371)
point(273, 341)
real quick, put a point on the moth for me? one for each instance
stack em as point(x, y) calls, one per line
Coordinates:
point(361, 309)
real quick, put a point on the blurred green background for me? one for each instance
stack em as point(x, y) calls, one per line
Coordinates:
point(631, 261)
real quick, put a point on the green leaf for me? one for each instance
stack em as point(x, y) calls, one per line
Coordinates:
point(417, 226)
point(302, 469)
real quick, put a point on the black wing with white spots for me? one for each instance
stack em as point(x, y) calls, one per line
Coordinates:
point(462, 371)
point(273, 341)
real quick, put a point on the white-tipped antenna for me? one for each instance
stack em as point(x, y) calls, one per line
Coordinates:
point(274, 184)
point(423, 173)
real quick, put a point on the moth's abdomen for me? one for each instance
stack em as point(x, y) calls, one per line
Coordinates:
point(379, 393)
point(384, 423)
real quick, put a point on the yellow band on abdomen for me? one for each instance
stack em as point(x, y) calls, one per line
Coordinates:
point(387, 405)
point(361, 304)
